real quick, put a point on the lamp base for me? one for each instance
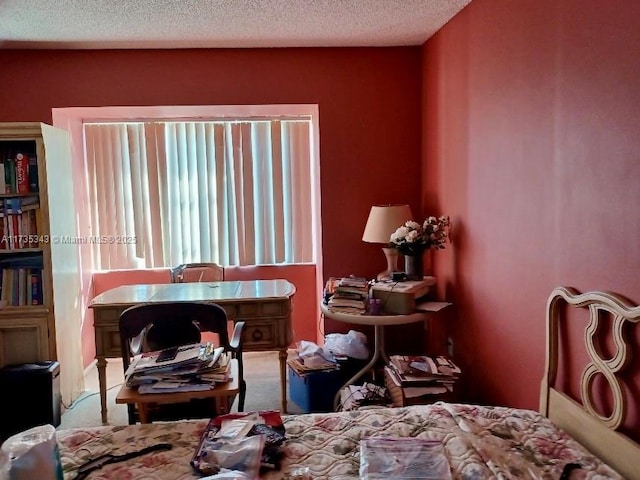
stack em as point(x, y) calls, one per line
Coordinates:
point(391, 254)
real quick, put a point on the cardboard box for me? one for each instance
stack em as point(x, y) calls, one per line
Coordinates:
point(401, 298)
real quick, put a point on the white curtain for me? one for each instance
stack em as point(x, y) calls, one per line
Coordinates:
point(65, 263)
point(230, 192)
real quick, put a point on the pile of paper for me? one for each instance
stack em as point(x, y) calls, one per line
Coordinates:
point(438, 374)
point(196, 367)
point(312, 358)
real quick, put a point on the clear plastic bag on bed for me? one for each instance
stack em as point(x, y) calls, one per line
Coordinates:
point(239, 454)
point(266, 423)
point(382, 458)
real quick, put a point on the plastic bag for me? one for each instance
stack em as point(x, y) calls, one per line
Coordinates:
point(382, 458)
point(33, 454)
point(352, 344)
point(312, 354)
point(240, 454)
point(266, 423)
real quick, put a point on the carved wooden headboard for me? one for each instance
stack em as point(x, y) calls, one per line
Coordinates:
point(594, 430)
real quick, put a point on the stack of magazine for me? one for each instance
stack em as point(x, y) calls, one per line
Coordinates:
point(188, 368)
point(435, 375)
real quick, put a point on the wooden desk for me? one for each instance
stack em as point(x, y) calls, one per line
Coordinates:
point(264, 305)
point(221, 394)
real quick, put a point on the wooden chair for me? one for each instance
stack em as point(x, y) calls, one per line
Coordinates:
point(197, 272)
point(164, 325)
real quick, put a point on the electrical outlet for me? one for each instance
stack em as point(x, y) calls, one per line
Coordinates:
point(450, 346)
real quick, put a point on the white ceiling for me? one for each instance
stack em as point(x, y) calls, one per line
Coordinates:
point(72, 24)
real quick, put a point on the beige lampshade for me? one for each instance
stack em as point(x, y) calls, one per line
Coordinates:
point(383, 221)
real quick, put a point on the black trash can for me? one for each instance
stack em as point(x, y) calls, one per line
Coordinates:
point(30, 396)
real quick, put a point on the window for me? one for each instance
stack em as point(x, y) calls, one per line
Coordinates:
point(235, 191)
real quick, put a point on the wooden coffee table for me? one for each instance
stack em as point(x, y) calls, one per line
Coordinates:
point(222, 395)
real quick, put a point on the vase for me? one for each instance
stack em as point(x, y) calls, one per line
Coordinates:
point(413, 266)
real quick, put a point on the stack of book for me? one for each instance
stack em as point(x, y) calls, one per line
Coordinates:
point(347, 295)
point(189, 368)
point(419, 375)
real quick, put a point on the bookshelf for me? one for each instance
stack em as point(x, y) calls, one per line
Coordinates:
point(27, 325)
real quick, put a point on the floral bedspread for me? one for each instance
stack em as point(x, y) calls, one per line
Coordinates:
point(479, 442)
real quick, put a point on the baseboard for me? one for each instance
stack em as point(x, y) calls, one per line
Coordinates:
point(93, 364)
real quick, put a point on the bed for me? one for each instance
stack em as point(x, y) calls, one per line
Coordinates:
point(479, 441)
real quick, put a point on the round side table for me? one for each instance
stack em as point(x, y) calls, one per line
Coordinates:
point(378, 322)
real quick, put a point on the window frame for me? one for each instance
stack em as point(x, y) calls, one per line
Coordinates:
point(72, 119)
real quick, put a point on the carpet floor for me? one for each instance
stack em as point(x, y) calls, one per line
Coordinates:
point(261, 371)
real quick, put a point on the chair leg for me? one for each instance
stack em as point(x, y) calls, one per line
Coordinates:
point(131, 411)
point(241, 397)
point(243, 384)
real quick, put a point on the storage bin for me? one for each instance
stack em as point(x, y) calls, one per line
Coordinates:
point(30, 397)
point(314, 392)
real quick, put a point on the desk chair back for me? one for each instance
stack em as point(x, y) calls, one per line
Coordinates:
point(150, 327)
point(197, 272)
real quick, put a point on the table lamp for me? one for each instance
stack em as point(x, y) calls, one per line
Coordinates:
point(382, 222)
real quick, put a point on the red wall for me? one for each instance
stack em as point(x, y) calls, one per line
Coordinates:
point(367, 97)
point(531, 144)
point(369, 115)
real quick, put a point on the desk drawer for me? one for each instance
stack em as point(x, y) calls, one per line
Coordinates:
point(259, 336)
point(251, 310)
point(108, 316)
point(108, 341)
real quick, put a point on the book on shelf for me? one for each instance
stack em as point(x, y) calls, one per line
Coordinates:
point(18, 173)
point(36, 287)
point(22, 173)
point(21, 286)
point(33, 173)
point(9, 175)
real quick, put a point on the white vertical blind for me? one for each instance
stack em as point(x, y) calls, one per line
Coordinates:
point(230, 192)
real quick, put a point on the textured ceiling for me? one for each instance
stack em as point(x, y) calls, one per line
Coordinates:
point(220, 23)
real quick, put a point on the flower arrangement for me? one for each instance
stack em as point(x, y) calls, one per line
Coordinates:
point(413, 238)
